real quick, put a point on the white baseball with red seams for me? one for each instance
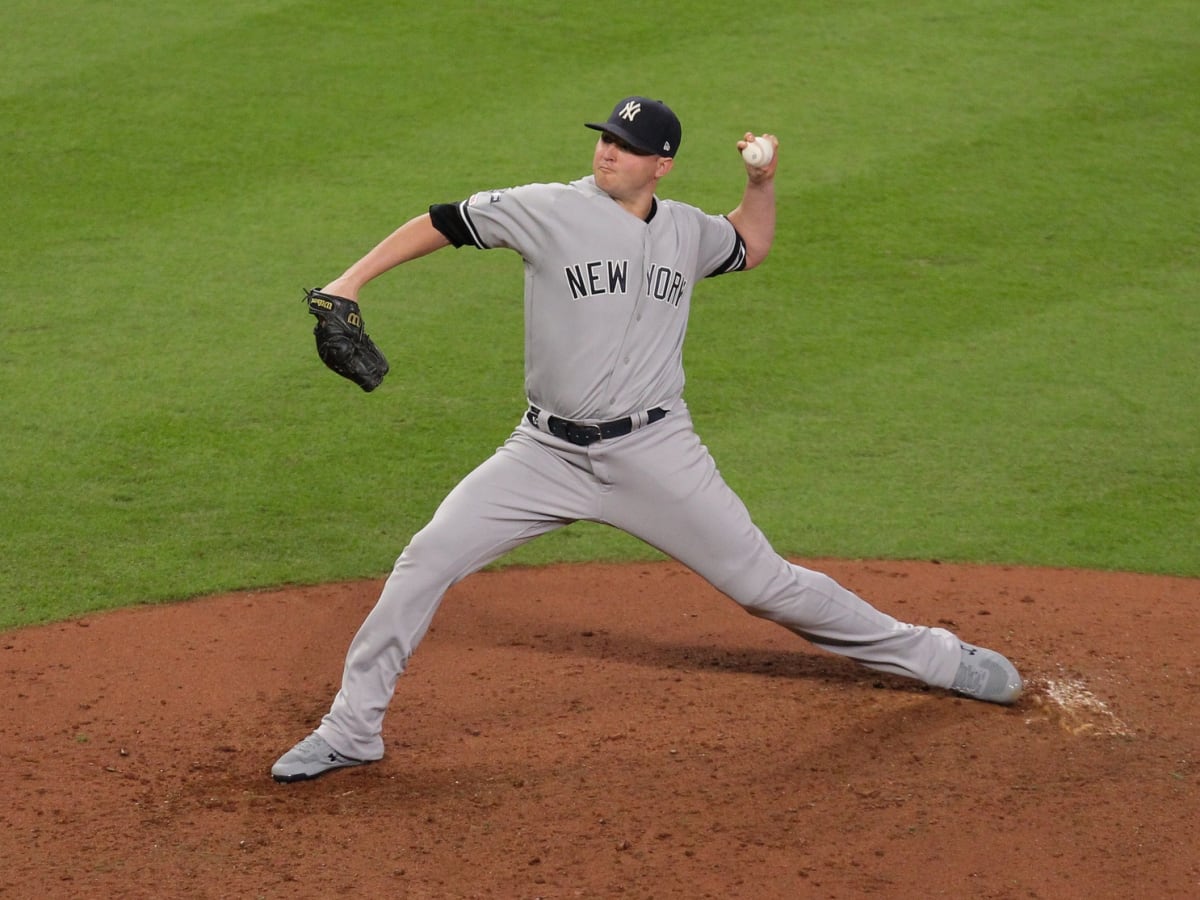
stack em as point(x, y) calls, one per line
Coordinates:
point(759, 152)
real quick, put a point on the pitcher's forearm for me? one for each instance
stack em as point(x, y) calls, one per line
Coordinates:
point(412, 240)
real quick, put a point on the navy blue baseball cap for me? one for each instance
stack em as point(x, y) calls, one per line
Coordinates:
point(648, 125)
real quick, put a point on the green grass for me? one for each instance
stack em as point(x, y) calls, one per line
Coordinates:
point(975, 338)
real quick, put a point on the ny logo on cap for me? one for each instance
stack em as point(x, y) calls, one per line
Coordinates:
point(630, 110)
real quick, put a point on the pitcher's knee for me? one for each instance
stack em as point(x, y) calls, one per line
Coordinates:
point(767, 594)
point(800, 599)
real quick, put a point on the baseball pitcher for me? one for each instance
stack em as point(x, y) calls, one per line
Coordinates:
point(606, 436)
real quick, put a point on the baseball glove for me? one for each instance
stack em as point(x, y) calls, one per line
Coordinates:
point(342, 342)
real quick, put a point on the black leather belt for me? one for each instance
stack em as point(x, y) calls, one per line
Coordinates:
point(582, 435)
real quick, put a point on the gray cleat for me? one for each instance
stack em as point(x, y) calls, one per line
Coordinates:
point(986, 675)
point(310, 758)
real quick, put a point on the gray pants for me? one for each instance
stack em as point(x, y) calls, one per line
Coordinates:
point(659, 484)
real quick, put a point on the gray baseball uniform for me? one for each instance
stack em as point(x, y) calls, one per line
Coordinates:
point(607, 438)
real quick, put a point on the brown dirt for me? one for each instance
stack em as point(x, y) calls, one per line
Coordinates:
point(613, 731)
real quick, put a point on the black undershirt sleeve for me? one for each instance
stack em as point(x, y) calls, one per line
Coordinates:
point(448, 219)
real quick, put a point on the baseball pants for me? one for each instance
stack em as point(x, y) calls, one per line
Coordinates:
point(658, 483)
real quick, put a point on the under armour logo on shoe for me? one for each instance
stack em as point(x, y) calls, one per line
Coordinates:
point(630, 110)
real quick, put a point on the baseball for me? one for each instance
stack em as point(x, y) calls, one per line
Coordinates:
point(758, 152)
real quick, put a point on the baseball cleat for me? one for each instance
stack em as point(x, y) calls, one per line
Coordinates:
point(310, 758)
point(986, 675)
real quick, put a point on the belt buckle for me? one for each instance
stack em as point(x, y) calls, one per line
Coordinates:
point(583, 434)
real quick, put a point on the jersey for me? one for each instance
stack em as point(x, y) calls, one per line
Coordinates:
point(607, 295)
